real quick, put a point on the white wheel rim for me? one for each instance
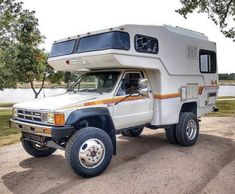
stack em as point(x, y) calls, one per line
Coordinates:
point(191, 129)
point(91, 153)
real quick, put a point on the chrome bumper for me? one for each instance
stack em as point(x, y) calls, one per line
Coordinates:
point(31, 128)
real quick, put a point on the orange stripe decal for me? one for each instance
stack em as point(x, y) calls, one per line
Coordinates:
point(166, 96)
point(112, 100)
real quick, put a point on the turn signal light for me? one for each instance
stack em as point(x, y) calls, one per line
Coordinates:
point(59, 118)
point(47, 131)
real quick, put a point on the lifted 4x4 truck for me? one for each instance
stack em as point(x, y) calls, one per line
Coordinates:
point(136, 76)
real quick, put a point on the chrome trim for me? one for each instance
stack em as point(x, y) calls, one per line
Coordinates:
point(27, 127)
point(191, 129)
point(36, 116)
point(91, 153)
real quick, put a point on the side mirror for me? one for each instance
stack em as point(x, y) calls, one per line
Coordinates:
point(144, 92)
point(143, 85)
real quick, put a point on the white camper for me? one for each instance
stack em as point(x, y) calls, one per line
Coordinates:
point(136, 76)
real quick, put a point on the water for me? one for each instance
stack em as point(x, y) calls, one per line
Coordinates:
point(19, 95)
point(226, 91)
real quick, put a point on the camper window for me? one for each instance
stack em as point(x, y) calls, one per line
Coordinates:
point(62, 48)
point(109, 40)
point(146, 44)
point(207, 61)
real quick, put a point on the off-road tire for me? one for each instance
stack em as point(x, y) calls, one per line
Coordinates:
point(181, 129)
point(76, 141)
point(34, 150)
point(136, 132)
point(171, 134)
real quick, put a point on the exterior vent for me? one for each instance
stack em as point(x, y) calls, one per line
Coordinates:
point(192, 52)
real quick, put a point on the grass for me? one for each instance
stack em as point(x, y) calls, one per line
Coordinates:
point(10, 139)
point(226, 109)
point(226, 82)
point(6, 104)
point(226, 97)
point(7, 135)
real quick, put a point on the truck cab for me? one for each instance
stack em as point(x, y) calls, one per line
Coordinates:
point(135, 77)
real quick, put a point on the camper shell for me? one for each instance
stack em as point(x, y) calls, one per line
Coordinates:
point(174, 69)
point(172, 80)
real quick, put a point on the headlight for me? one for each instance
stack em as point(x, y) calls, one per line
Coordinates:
point(15, 112)
point(50, 118)
point(55, 118)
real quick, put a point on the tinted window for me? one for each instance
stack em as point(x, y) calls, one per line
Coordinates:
point(110, 40)
point(207, 61)
point(146, 44)
point(62, 48)
point(130, 84)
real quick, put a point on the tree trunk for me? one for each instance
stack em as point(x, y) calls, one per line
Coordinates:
point(36, 94)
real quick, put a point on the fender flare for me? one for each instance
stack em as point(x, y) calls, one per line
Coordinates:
point(99, 112)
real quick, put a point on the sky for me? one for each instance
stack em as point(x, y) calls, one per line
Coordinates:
point(63, 18)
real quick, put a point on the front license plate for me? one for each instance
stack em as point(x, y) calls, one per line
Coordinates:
point(33, 137)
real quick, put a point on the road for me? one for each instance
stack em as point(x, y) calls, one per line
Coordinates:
point(148, 164)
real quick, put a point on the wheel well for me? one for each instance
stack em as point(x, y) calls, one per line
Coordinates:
point(189, 107)
point(102, 122)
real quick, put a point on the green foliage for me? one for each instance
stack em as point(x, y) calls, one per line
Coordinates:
point(71, 77)
point(21, 59)
point(226, 76)
point(54, 77)
point(222, 12)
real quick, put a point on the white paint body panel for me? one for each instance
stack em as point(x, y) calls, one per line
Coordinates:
point(175, 67)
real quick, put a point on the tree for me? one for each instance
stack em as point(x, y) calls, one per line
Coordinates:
point(21, 59)
point(222, 13)
point(226, 76)
point(8, 13)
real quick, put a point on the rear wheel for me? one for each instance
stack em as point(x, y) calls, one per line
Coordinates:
point(187, 130)
point(89, 151)
point(171, 134)
point(37, 150)
point(135, 132)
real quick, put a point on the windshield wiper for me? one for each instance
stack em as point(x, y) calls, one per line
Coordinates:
point(71, 90)
point(90, 90)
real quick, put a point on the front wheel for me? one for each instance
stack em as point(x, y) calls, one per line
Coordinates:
point(37, 150)
point(89, 151)
point(187, 130)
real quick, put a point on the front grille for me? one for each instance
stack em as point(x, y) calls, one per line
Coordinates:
point(32, 116)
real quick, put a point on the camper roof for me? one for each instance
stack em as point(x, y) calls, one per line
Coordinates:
point(173, 29)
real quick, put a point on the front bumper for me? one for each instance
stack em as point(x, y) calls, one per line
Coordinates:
point(55, 133)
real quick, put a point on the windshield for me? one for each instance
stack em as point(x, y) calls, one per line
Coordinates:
point(96, 82)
